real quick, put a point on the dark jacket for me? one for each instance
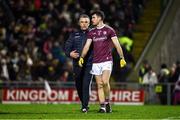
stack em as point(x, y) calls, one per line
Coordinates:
point(76, 41)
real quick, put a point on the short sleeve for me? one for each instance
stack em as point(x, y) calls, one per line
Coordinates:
point(89, 35)
point(112, 32)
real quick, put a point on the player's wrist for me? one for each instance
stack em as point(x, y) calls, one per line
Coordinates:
point(82, 57)
point(121, 57)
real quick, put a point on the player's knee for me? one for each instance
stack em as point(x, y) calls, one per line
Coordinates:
point(100, 85)
point(105, 83)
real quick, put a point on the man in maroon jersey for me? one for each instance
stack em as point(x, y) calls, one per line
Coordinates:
point(103, 38)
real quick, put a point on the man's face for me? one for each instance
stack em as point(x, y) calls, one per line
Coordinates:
point(95, 19)
point(84, 23)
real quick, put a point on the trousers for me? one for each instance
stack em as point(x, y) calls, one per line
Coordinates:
point(83, 80)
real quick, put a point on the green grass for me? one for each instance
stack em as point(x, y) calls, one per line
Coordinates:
point(63, 111)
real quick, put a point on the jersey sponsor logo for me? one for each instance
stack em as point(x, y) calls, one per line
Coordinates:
point(99, 38)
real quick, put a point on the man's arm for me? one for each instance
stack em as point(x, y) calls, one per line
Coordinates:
point(118, 47)
point(84, 52)
point(86, 48)
point(69, 45)
point(119, 50)
point(69, 48)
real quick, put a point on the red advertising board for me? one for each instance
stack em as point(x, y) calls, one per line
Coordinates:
point(26, 95)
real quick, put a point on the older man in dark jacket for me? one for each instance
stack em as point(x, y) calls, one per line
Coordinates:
point(73, 49)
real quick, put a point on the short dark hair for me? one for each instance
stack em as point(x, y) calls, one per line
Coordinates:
point(99, 13)
point(83, 16)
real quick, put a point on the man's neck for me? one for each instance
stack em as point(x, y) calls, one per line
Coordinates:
point(100, 25)
point(84, 30)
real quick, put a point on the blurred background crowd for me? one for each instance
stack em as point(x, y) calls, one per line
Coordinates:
point(33, 33)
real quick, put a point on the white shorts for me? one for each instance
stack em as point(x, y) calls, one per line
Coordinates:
point(98, 68)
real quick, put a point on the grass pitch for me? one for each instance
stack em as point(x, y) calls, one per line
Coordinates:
point(72, 111)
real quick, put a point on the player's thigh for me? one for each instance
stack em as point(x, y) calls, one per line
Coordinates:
point(106, 71)
point(106, 76)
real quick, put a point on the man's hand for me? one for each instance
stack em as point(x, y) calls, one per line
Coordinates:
point(122, 63)
point(74, 54)
point(81, 61)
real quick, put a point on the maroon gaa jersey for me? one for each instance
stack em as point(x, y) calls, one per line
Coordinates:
point(102, 43)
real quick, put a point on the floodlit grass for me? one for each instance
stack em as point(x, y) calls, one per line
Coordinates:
point(72, 111)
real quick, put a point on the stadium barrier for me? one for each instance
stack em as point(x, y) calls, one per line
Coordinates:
point(22, 92)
